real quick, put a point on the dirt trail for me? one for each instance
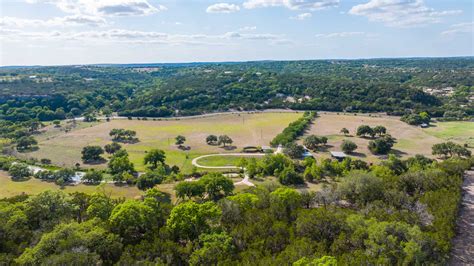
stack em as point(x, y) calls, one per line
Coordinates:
point(463, 244)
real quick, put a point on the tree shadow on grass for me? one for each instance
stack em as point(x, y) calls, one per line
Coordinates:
point(31, 149)
point(229, 148)
point(358, 154)
point(398, 153)
point(96, 162)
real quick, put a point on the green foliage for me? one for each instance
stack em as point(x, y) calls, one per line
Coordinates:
point(93, 177)
point(361, 188)
point(216, 185)
point(323, 261)
point(120, 166)
point(149, 180)
point(348, 146)
point(92, 154)
point(112, 147)
point(132, 220)
point(188, 220)
point(416, 119)
point(450, 149)
point(180, 140)
point(288, 176)
point(100, 206)
point(214, 248)
point(154, 157)
point(294, 130)
point(381, 145)
point(312, 142)
point(186, 189)
point(25, 143)
point(19, 171)
point(364, 131)
point(294, 150)
point(224, 140)
point(211, 139)
point(123, 135)
point(65, 238)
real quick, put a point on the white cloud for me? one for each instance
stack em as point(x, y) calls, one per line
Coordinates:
point(302, 16)
point(222, 8)
point(138, 37)
point(73, 20)
point(467, 27)
point(400, 13)
point(247, 36)
point(104, 7)
point(341, 34)
point(248, 28)
point(292, 4)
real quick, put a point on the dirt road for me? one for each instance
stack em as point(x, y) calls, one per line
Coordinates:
point(463, 244)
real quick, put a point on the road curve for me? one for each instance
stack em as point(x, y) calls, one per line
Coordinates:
point(244, 181)
point(195, 163)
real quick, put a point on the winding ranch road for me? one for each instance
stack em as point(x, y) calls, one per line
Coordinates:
point(245, 181)
point(463, 244)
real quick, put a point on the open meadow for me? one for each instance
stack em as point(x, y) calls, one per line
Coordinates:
point(257, 129)
point(9, 188)
point(411, 140)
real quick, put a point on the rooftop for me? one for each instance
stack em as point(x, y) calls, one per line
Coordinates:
point(338, 154)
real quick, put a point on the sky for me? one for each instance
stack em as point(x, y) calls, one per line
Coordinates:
point(62, 32)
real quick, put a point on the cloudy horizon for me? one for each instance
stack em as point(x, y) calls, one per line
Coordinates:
point(69, 32)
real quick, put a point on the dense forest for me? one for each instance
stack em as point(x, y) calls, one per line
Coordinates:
point(397, 212)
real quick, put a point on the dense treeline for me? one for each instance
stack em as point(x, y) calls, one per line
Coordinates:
point(398, 212)
point(390, 85)
point(294, 130)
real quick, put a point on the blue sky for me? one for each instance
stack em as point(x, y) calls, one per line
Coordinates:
point(51, 32)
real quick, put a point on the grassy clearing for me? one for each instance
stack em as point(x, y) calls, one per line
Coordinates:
point(223, 160)
point(9, 188)
point(411, 140)
point(64, 149)
point(459, 131)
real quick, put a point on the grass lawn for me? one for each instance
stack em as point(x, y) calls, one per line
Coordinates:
point(224, 160)
point(257, 129)
point(9, 188)
point(458, 131)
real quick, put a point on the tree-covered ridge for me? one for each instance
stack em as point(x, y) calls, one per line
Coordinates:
point(390, 85)
point(397, 212)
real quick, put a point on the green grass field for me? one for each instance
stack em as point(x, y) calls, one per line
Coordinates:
point(458, 131)
point(9, 188)
point(64, 149)
point(223, 160)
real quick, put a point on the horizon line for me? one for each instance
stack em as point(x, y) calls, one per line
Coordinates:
point(232, 61)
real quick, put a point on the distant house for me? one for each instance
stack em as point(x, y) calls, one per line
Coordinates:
point(338, 155)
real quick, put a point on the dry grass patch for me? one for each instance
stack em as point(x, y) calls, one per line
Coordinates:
point(411, 140)
point(64, 149)
point(33, 186)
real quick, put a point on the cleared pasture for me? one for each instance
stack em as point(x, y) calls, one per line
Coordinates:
point(255, 129)
point(411, 140)
point(33, 186)
point(458, 131)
